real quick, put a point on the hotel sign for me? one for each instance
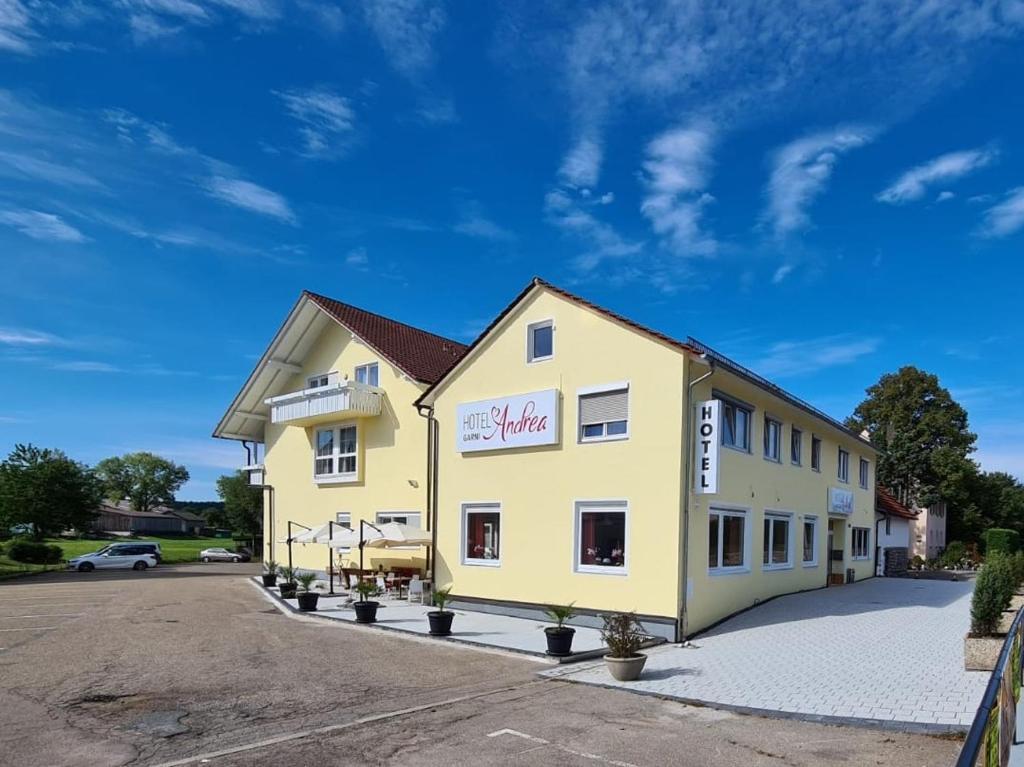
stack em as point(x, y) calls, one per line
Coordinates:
point(840, 501)
point(705, 477)
point(522, 420)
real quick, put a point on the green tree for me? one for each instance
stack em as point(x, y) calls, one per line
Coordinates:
point(922, 433)
point(243, 503)
point(47, 490)
point(145, 479)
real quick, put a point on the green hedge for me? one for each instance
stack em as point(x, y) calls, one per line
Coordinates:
point(999, 540)
point(992, 593)
point(34, 553)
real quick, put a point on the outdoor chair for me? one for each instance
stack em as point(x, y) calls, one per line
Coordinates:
point(382, 584)
point(416, 589)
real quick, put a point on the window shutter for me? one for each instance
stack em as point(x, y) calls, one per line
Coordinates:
point(604, 407)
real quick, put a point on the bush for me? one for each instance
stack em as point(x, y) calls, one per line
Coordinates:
point(999, 540)
point(35, 553)
point(623, 635)
point(992, 592)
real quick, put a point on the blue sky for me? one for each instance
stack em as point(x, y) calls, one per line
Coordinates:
point(824, 191)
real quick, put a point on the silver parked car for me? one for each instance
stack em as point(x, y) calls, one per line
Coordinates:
point(219, 555)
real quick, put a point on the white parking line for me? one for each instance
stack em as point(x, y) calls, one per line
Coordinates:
point(40, 615)
point(33, 628)
point(565, 749)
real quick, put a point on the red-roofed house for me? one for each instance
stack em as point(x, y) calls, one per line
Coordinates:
point(893, 521)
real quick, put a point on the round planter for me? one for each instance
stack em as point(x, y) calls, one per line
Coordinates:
point(440, 623)
point(366, 612)
point(625, 669)
point(269, 579)
point(308, 600)
point(559, 640)
point(288, 590)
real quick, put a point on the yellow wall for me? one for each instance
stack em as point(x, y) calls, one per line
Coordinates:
point(537, 487)
point(392, 451)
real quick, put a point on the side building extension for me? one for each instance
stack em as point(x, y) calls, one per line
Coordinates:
point(584, 458)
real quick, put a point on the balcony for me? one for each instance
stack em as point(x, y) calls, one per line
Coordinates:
point(346, 399)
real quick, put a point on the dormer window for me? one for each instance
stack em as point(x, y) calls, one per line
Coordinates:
point(368, 374)
point(540, 341)
point(320, 380)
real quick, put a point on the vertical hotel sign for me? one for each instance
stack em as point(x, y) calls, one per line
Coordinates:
point(705, 477)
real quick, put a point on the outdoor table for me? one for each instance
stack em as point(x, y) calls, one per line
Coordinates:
point(399, 581)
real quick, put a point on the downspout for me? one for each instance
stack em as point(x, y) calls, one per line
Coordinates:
point(878, 548)
point(683, 627)
point(427, 411)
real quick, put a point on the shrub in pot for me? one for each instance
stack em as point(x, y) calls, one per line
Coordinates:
point(307, 597)
point(559, 636)
point(623, 635)
point(288, 586)
point(270, 576)
point(366, 610)
point(440, 619)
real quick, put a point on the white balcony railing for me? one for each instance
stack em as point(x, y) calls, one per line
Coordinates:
point(346, 399)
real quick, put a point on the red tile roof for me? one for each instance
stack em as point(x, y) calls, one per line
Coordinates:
point(886, 503)
point(421, 355)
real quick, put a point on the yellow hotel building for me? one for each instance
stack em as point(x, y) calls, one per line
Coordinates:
point(571, 455)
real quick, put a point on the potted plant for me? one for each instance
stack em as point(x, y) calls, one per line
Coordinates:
point(440, 619)
point(289, 586)
point(623, 635)
point(270, 576)
point(992, 593)
point(560, 636)
point(307, 597)
point(366, 610)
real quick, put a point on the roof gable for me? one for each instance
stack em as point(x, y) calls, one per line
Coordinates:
point(886, 503)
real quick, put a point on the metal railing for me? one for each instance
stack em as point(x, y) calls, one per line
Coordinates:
point(994, 729)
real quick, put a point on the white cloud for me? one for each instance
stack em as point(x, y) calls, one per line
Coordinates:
point(601, 241)
point(358, 259)
point(801, 172)
point(41, 226)
point(26, 337)
point(582, 165)
point(15, 27)
point(913, 184)
point(86, 366)
point(25, 165)
point(405, 30)
point(438, 111)
point(326, 119)
point(675, 173)
point(944, 196)
point(782, 273)
point(794, 358)
point(473, 223)
point(249, 196)
point(1006, 217)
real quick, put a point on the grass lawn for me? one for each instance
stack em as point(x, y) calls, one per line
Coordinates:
point(11, 569)
point(174, 549)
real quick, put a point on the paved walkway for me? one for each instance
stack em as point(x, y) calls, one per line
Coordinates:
point(886, 652)
point(487, 629)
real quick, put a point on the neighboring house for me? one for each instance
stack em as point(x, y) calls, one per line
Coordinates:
point(892, 522)
point(555, 466)
point(122, 518)
point(332, 400)
point(562, 474)
point(928, 531)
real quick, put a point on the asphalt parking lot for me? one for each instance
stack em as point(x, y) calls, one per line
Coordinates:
point(190, 664)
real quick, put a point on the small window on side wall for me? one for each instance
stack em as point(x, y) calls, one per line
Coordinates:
point(815, 453)
point(368, 374)
point(540, 341)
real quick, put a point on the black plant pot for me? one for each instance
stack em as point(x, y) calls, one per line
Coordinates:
point(366, 612)
point(288, 590)
point(440, 623)
point(270, 579)
point(559, 640)
point(308, 600)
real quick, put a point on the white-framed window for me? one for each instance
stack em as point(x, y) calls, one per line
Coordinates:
point(481, 534)
point(736, 425)
point(368, 374)
point(796, 444)
point(728, 539)
point(864, 473)
point(810, 541)
point(336, 458)
point(772, 439)
point(602, 537)
point(540, 341)
point(815, 453)
point(344, 519)
point(603, 412)
point(320, 380)
point(776, 549)
point(844, 465)
point(861, 540)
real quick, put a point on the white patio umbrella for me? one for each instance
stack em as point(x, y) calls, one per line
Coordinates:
point(391, 534)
